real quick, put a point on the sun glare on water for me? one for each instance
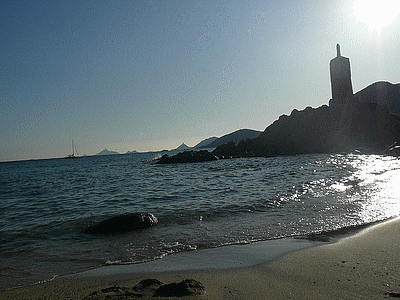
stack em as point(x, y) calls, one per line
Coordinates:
point(376, 14)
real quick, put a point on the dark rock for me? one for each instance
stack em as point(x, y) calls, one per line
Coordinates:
point(148, 288)
point(233, 150)
point(188, 156)
point(148, 284)
point(123, 223)
point(113, 289)
point(179, 289)
point(113, 293)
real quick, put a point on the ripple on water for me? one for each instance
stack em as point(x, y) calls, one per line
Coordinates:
point(45, 205)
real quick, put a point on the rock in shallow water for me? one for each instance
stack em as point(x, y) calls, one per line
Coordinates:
point(123, 223)
point(188, 156)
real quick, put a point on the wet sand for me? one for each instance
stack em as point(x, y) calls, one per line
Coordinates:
point(365, 265)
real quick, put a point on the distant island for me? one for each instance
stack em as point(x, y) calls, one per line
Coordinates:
point(367, 122)
point(209, 143)
point(131, 152)
point(182, 147)
point(107, 152)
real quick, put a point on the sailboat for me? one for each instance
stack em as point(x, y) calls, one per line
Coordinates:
point(74, 150)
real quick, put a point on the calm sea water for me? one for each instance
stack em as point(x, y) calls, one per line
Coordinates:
point(45, 205)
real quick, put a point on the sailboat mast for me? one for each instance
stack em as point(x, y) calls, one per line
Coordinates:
point(73, 151)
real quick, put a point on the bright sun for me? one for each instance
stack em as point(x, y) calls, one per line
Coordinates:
point(376, 14)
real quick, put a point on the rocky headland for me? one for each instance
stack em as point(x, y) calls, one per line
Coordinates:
point(188, 156)
point(343, 126)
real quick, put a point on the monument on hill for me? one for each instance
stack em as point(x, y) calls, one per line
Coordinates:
point(340, 78)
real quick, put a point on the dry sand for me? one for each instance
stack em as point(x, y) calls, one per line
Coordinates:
point(363, 266)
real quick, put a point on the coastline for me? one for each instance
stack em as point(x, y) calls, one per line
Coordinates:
point(364, 265)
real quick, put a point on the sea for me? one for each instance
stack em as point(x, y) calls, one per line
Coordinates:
point(46, 204)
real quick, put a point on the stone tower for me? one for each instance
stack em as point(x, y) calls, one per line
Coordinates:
point(340, 78)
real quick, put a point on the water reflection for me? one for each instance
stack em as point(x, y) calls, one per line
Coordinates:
point(378, 180)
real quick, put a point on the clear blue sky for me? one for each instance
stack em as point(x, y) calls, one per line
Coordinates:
point(149, 75)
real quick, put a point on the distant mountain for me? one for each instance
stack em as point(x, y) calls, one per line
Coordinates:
point(107, 152)
point(182, 147)
point(205, 143)
point(236, 137)
point(131, 152)
point(383, 93)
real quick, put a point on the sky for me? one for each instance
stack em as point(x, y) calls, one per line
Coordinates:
point(149, 75)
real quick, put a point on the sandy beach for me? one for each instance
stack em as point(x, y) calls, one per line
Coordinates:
point(365, 265)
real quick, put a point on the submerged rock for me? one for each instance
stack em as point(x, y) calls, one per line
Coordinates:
point(123, 223)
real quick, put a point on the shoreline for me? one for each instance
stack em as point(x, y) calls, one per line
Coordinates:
point(231, 256)
point(219, 258)
point(361, 266)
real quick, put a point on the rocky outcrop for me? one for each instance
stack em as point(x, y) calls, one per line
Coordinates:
point(339, 127)
point(187, 156)
point(150, 288)
point(123, 223)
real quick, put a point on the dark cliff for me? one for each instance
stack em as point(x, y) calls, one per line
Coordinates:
point(382, 93)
